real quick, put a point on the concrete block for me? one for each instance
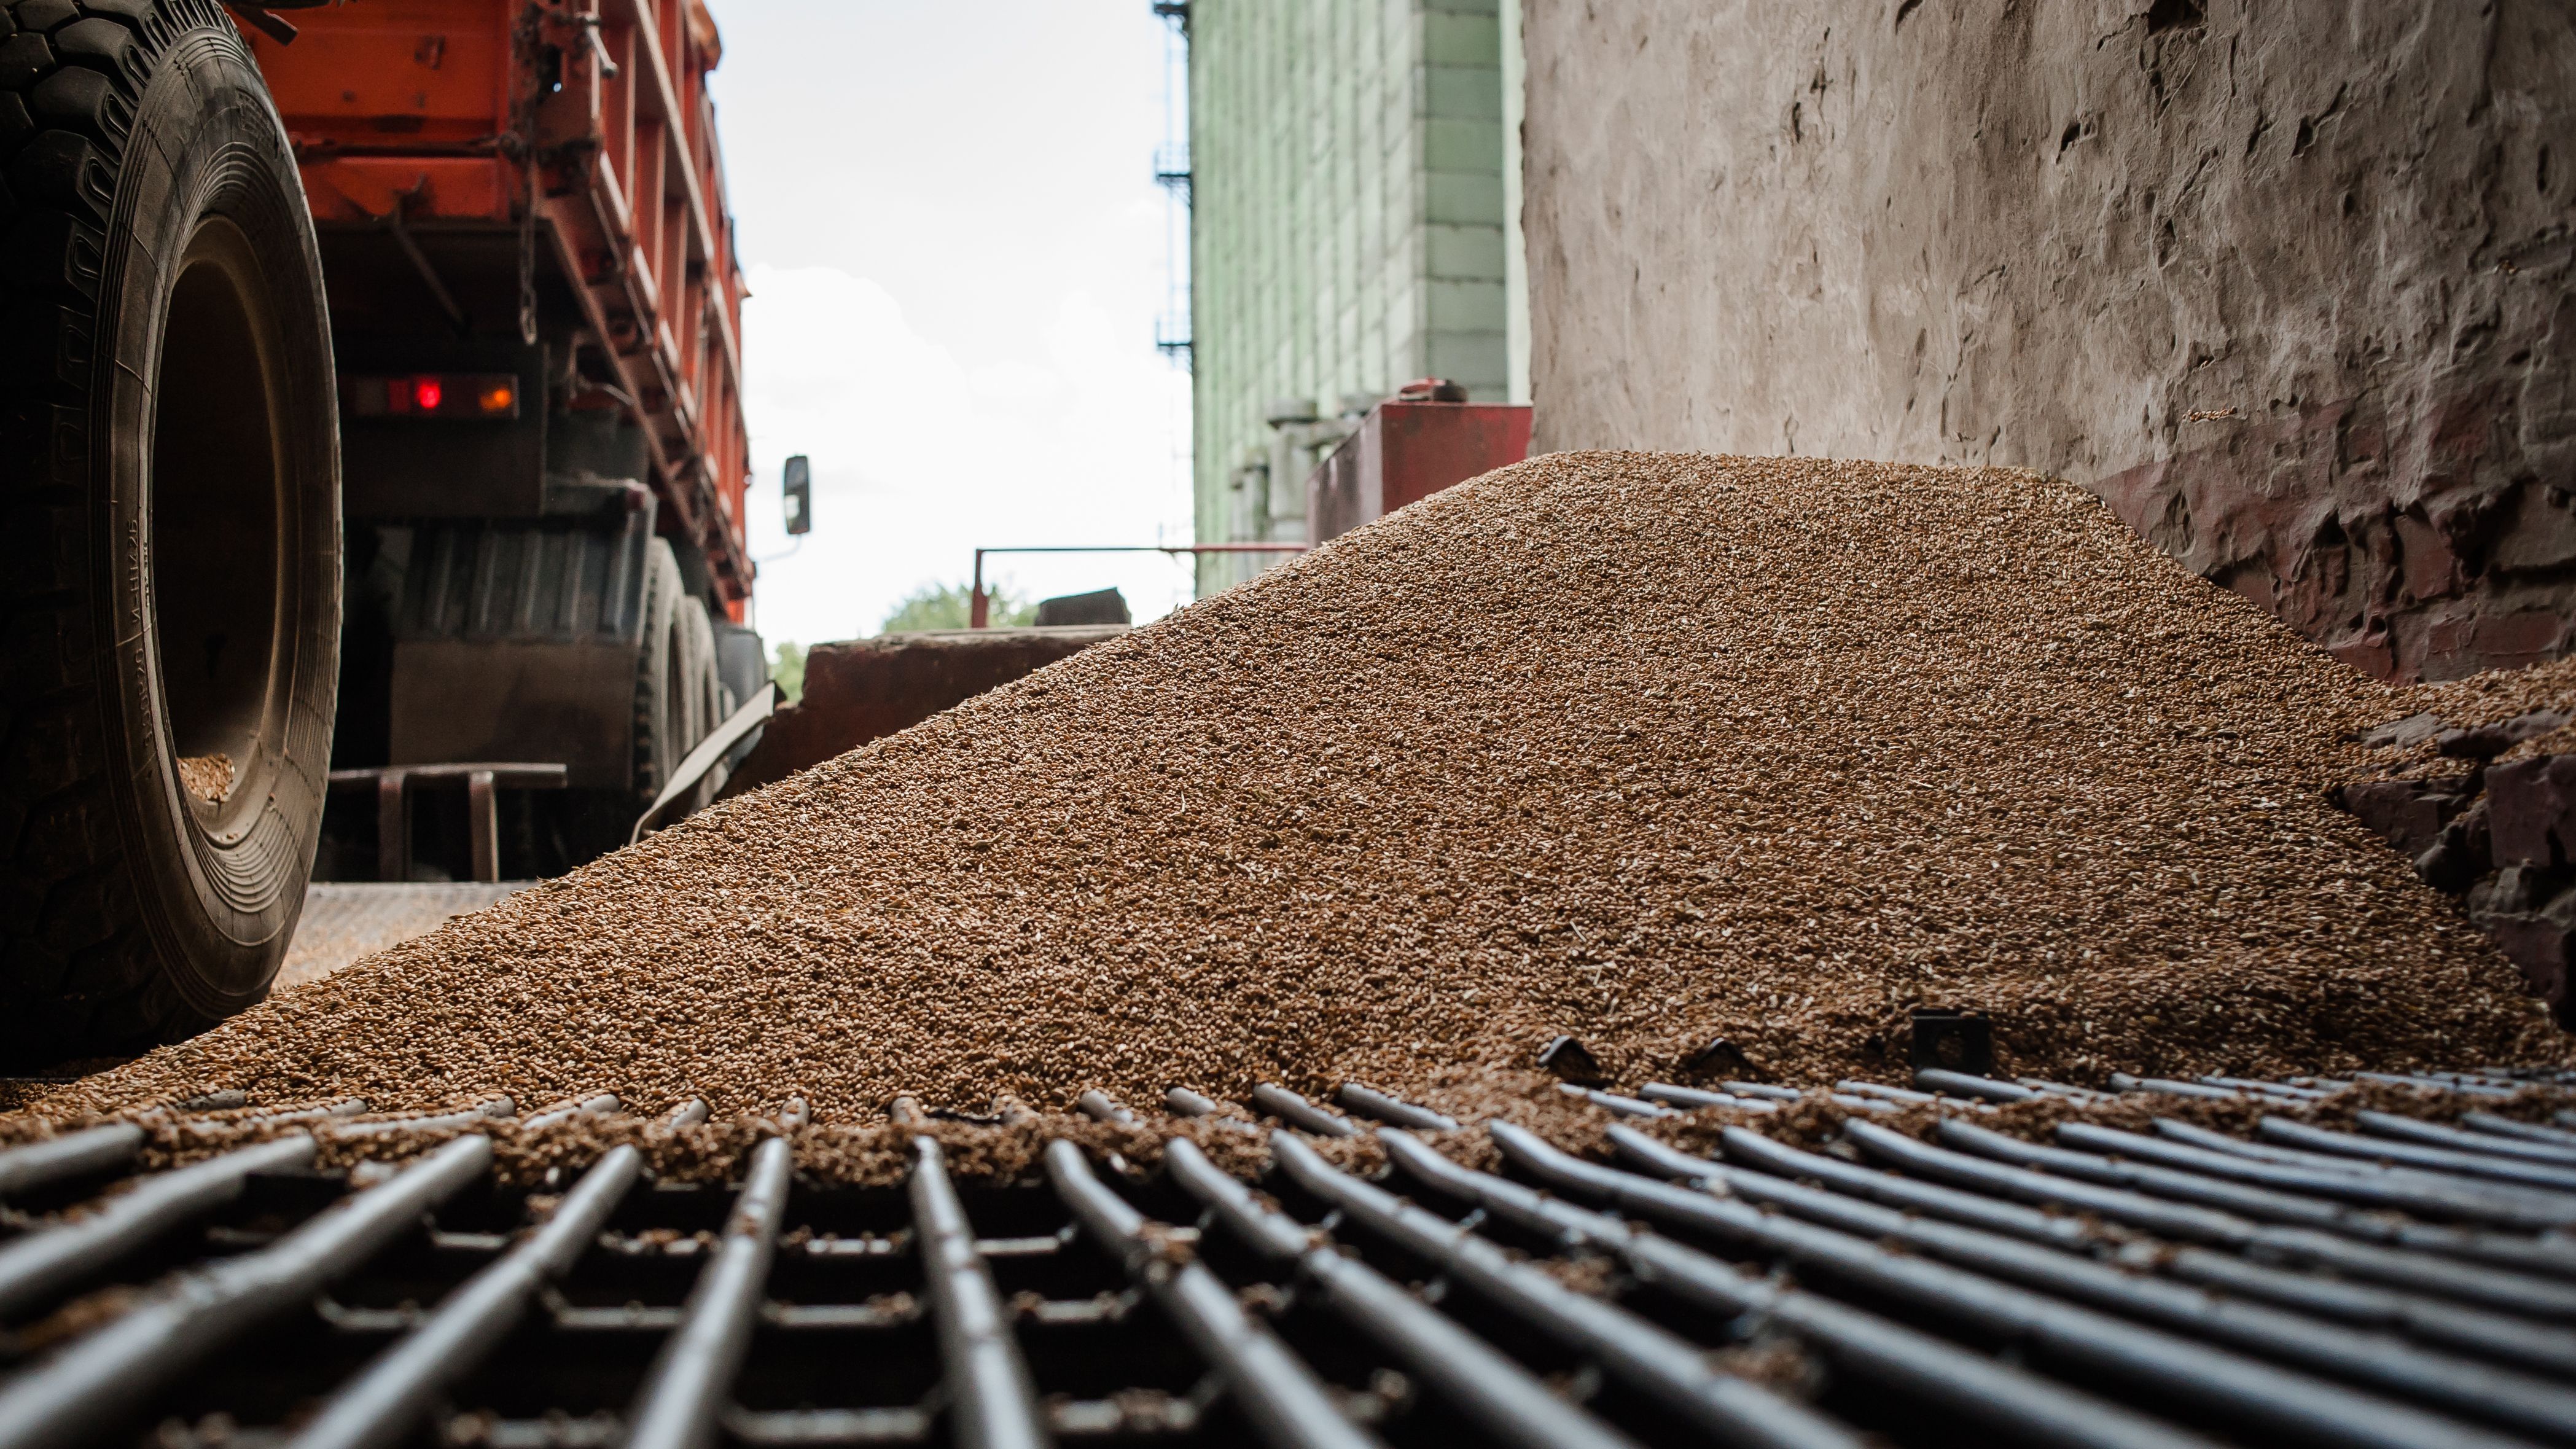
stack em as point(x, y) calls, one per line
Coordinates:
point(1454, 38)
point(1464, 253)
point(1465, 306)
point(1462, 199)
point(1481, 360)
point(1464, 93)
point(1471, 146)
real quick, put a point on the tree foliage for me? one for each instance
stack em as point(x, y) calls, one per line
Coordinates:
point(950, 606)
point(787, 666)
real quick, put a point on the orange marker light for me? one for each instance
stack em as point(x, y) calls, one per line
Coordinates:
point(446, 397)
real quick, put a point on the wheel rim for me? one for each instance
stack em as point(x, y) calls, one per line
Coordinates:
point(220, 544)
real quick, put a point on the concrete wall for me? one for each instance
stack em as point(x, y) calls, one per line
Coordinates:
point(2288, 284)
point(1346, 232)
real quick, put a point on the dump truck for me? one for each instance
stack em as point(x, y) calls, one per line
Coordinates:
point(370, 405)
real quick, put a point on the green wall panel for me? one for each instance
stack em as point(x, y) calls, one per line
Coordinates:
point(1348, 231)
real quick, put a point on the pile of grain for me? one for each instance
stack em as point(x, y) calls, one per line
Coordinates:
point(1647, 749)
point(208, 777)
point(2507, 697)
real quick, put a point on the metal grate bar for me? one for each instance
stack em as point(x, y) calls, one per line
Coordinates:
point(86, 1387)
point(989, 1391)
point(1970, 1288)
point(1971, 1208)
point(2269, 1089)
point(2166, 1087)
point(2261, 1395)
point(2407, 1129)
point(1620, 1105)
point(1654, 1360)
point(74, 1154)
point(1761, 1092)
point(2464, 1386)
point(1884, 1093)
point(1968, 1384)
point(2262, 1202)
point(498, 1107)
point(601, 1104)
point(1668, 1095)
point(1097, 1106)
point(2047, 1088)
point(45, 1262)
point(2487, 1122)
point(381, 1406)
point(2420, 1270)
point(1285, 1402)
point(1486, 1384)
point(2522, 1339)
point(1299, 1113)
point(1379, 1107)
point(2446, 1082)
point(2387, 1151)
point(2179, 1144)
point(687, 1391)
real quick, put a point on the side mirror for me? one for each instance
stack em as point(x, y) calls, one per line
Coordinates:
point(799, 502)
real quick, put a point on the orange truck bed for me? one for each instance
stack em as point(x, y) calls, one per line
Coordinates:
point(574, 138)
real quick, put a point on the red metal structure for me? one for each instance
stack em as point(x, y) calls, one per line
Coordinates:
point(582, 130)
point(1407, 449)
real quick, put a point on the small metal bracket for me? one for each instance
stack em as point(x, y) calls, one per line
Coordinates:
point(1571, 1060)
point(1956, 1041)
point(482, 783)
point(598, 48)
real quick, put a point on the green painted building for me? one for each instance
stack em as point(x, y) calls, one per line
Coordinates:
point(1351, 229)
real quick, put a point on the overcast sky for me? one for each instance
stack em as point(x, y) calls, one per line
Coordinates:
point(956, 255)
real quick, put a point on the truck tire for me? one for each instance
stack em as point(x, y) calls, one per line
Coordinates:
point(169, 503)
point(706, 691)
point(664, 707)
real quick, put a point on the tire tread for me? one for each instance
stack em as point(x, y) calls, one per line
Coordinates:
point(79, 974)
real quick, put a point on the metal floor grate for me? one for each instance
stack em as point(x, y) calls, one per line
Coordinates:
point(2410, 1282)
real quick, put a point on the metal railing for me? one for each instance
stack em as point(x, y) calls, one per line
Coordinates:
point(979, 605)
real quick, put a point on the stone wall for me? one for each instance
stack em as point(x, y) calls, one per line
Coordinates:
point(2500, 835)
point(2287, 284)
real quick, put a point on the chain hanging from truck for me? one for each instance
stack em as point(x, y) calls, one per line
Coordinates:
point(527, 37)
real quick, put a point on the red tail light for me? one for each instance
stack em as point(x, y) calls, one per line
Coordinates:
point(443, 396)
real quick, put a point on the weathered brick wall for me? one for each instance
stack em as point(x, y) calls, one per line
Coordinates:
point(2287, 284)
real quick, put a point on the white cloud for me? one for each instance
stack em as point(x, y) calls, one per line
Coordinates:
point(918, 459)
point(955, 254)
